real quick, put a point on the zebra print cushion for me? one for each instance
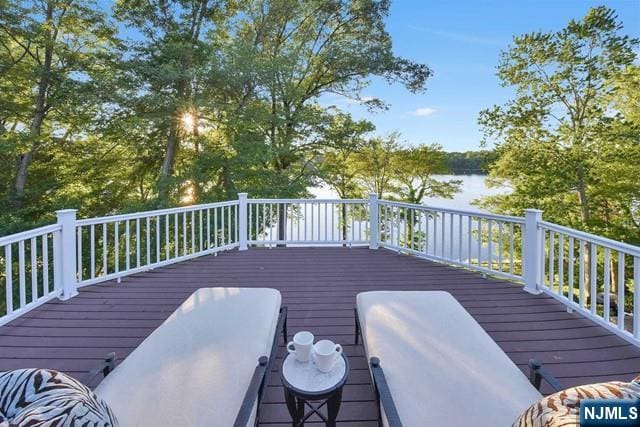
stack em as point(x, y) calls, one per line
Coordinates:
point(563, 408)
point(42, 397)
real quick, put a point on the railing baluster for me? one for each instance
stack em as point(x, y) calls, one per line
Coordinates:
point(200, 229)
point(229, 234)
point(157, 239)
point(499, 246)
point(581, 273)
point(551, 259)
point(511, 252)
point(435, 233)
point(480, 241)
point(215, 223)
point(264, 222)
point(105, 268)
point(459, 238)
point(636, 297)
point(398, 222)
point(116, 251)
point(79, 252)
point(167, 249)
point(34, 269)
point(176, 240)
point(560, 264)
point(571, 267)
point(593, 264)
point(138, 241)
point(45, 264)
point(621, 290)
point(326, 222)
point(92, 243)
point(8, 283)
point(193, 232)
point(184, 233)
point(21, 274)
point(544, 255)
point(442, 244)
point(469, 240)
point(607, 284)
point(127, 244)
point(148, 240)
point(451, 236)
point(490, 243)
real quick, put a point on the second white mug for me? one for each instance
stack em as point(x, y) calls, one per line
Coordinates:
point(326, 354)
point(301, 345)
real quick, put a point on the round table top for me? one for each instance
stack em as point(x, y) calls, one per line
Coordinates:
point(305, 378)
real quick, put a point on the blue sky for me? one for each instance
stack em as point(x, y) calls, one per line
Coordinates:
point(461, 42)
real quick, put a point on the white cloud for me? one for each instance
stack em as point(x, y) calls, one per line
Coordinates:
point(423, 112)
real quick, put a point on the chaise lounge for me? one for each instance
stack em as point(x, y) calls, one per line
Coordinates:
point(200, 364)
point(433, 364)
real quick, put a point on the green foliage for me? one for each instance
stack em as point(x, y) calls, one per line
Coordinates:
point(382, 166)
point(568, 142)
point(469, 162)
point(212, 97)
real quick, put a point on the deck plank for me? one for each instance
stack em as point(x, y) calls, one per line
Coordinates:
point(319, 285)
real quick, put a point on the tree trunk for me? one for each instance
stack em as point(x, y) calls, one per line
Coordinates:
point(167, 163)
point(24, 159)
point(585, 216)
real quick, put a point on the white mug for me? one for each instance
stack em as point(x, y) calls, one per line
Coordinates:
point(301, 345)
point(327, 353)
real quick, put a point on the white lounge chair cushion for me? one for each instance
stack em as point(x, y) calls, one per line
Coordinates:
point(195, 368)
point(441, 367)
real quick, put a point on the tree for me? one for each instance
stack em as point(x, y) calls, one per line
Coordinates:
point(304, 49)
point(415, 170)
point(376, 167)
point(169, 67)
point(553, 139)
point(566, 143)
point(55, 52)
point(344, 139)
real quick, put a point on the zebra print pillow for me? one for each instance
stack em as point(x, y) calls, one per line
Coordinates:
point(563, 408)
point(42, 397)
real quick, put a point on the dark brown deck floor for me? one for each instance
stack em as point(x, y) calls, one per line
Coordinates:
point(319, 286)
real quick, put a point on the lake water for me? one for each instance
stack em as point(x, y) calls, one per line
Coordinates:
point(473, 187)
point(445, 235)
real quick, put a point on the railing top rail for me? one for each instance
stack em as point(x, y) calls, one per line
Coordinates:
point(159, 212)
point(592, 238)
point(12, 238)
point(505, 218)
point(307, 201)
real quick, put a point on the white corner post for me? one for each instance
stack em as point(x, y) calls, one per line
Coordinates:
point(532, 251)
point(242, 218)
point(66, 259)
point(373, 209)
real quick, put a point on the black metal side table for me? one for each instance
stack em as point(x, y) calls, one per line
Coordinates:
point(305, 387)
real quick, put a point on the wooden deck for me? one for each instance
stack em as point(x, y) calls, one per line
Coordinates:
point(319, 286)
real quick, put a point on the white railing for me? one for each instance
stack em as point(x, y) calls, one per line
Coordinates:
point(595, 276)
point(29, 270)
point(115, 246)
point(483, 242)
point(308, 222)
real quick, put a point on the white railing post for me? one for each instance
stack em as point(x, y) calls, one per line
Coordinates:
point(373, 209)
point(532, 251)
point(66, 261)
point(242, 219)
